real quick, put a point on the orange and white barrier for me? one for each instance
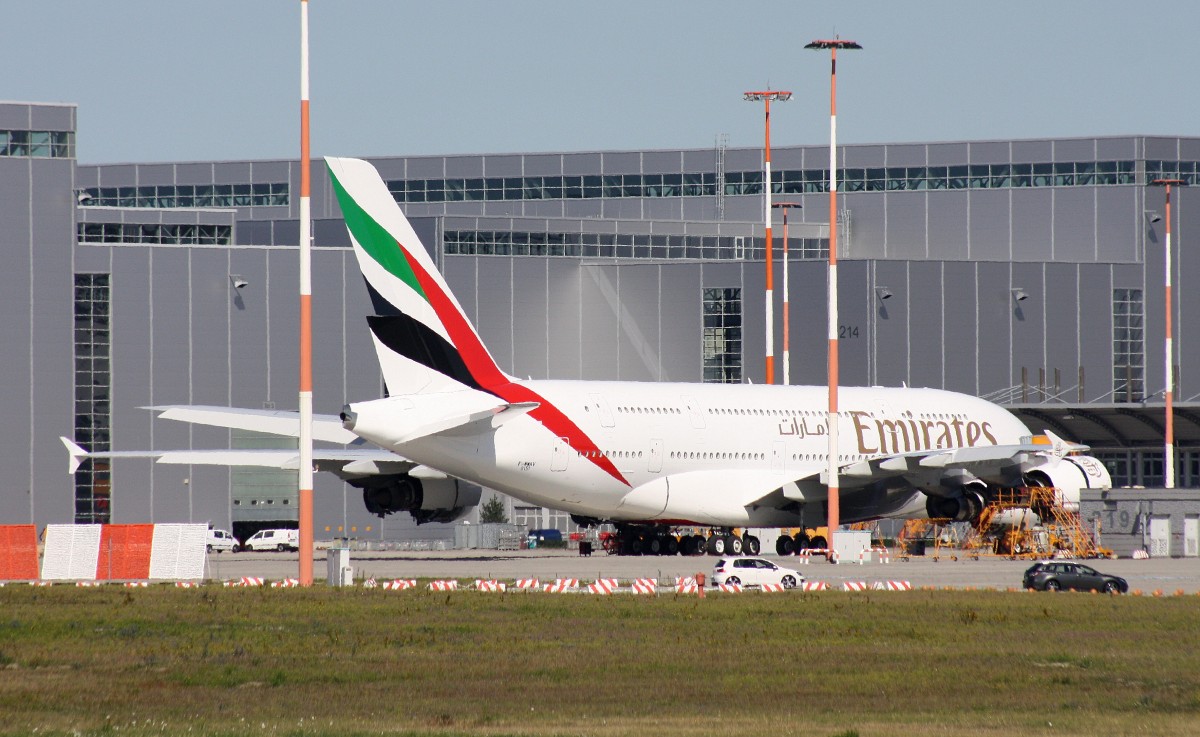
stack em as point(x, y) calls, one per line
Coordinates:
point(136, 584)
point(187, 584)
point(18, 553)
point(892, 586)
point(490, 586)
point(287, 583)
point(370, 583)
point(246, 581)
point(562, 585)
point(814, 586)
point(854, 586)
point(124, 552)
point(447, 585)
point(807, 554)
point(603, 586)
point(881, 553)
point(772, 587)
point(87, 583)
point(400, 584)
point(644, 586)
point(686, 585)
point(528, 583)
point(730, 588)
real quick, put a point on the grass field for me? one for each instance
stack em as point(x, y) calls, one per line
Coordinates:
point(353, 661)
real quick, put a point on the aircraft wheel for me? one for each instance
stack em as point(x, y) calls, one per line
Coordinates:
point(819, 543)
point(716, 545)
point(672, 545)
point(699, 542)
point(751, 545)
point(733, 544)
point(637, 546)
point(654, 545)
point(785, 545)
point(800, 541)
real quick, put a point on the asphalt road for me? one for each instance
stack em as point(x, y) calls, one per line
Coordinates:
point(1166, 574)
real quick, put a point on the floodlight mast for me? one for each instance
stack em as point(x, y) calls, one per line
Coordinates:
point(833, 506)
point(767, 96)
point(1169, 348)
point(787, 339)
point(305, 478)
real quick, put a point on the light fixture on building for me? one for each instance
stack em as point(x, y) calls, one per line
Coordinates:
point(238, 282)
point(83, 197)
point(883, 293)
point(1152, 215)
point(1019, 294)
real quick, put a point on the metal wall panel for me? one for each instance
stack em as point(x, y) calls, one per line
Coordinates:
point(994, 315)
point(621, 162)
point(1032, 152)
point(925, 324)
point(530, 315)
point(990, 237)
point(495, 297)
point(1120, 224)
point(464, 166)
point(905, 154)
point(1062, 328)
point(210, 307)
point(1161, 148)
point(947, 154)
point(948, 220)
point(1074, 224)
point(44, 117)
point(855, 299)
point(15, 116)
point(1032, 225)
point(661, 162)
point(248, 318)
point(809, 322)
point(906, 227)
point(231, 172)
point(424, 167)
point(1095, 322)
point(1116, 148)
point(860, 156)
point(681, 322)
point(960, 305)
point(599, 334)
point(988, 152)
point(329, 327)
point(156, 174)
point(889, 336)
point(1029, 319)
point(564, 319)
point(1075, 149)
point(867, 214)
point(638, 314)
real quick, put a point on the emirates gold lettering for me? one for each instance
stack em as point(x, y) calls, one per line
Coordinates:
point(887, 437)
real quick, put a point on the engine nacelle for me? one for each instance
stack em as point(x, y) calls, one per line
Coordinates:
point(1069, 476)
point(961, 507)
point(427, 500)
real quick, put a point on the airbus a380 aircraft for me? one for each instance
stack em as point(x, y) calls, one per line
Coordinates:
point(642, 455)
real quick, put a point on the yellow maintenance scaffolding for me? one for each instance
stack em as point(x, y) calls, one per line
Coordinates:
point(1021, 522)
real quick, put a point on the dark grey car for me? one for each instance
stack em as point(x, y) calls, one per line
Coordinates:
point(1057, 575)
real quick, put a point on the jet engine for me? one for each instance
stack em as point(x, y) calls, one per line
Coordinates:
point(963, 506)
point(1069, 476)
point(427, 500)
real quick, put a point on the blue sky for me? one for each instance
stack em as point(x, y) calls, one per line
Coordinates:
point(173, 81)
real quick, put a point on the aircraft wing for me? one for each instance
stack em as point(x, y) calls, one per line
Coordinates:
point(344, 462)
point(273, 422)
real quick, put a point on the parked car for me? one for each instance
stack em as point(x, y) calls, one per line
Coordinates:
point(751, 571)
point(1054, 575)
point(220, 540)
point(274, 540)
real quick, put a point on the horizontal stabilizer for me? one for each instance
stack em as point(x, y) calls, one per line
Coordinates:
point(327, 428)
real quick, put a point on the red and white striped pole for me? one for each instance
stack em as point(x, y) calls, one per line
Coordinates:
point(787, 339)
point(833, 510)
point(766, 96)
point(305, 481)
point(1169, 349)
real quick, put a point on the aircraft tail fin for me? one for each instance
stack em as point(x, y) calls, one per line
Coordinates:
point(424, 340)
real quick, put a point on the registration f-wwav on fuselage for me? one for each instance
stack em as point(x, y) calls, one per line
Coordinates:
point(635, 453)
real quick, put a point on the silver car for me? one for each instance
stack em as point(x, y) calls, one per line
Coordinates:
point(751, 571)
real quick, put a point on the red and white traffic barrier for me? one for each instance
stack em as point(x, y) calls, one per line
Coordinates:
point(807, 554)
point(187, 584)
point(892, 586)
point(772, 587)
point(246, 581)
point(814, 586)
point(562, 585)
point(448, 585)
point(854, 586)
point(136, 584)
point(400, 584)
point(730, 588)
point(687, 588)
point(491, 586)
point(287, 583)
point(881, 553)
point(528, 583)
point(370, 583)
point(644, 586)
point(603, 586)
point(87, 583)
point(124, 552)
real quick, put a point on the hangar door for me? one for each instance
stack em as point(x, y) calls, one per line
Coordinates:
point(1160, 536)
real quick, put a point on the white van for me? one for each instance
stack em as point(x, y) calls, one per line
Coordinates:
point(274, 540)
point(220, 540)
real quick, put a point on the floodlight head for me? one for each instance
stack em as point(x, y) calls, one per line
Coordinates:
point(883, 293)
point(1152, 216)
point(835, 43)
point(780, 95)
point(83, 197)
point(1019, 294)
point(238, 282)
point(1164, 182)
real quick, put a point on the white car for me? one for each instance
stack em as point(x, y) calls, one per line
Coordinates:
point(274, 540)
point(751, 571)
point(220, 540)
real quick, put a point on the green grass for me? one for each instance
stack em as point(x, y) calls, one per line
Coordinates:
point(346, 662)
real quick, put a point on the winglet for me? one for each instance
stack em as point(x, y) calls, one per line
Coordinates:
point(78, 454)
point(1062, 447)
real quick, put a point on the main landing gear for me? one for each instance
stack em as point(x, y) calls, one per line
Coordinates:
point(785, 545)
point(661, 540)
